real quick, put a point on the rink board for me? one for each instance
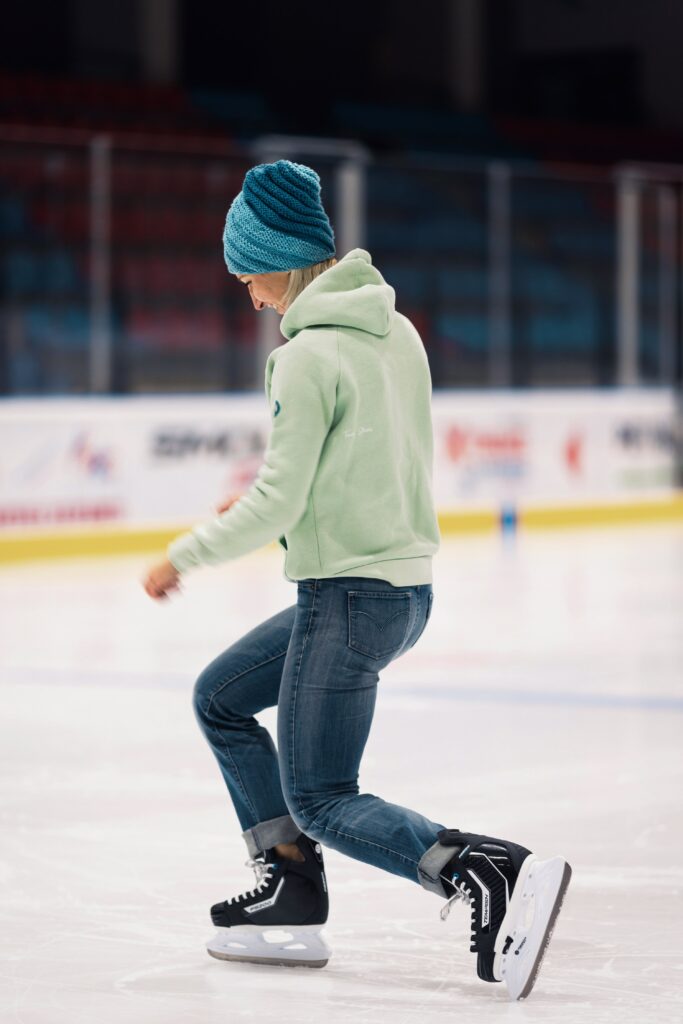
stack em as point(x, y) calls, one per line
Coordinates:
point(97, 475)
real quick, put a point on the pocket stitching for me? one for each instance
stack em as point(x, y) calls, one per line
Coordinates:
point(356, 645)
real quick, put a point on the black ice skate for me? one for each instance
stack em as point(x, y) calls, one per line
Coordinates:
point(290, 899)
point(515, 900)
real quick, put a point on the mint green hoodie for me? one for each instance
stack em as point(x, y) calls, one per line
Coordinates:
point(346, 479)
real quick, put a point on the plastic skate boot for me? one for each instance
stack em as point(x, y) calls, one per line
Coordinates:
point(515, 899)
point(278, 921)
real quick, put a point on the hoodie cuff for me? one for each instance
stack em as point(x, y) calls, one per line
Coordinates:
point(180, 552)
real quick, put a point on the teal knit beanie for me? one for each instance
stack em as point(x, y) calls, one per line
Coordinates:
point(277, 222)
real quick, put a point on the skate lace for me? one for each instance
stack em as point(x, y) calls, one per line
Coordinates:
point(263, 876)
point(467, 896)
point(461, 893)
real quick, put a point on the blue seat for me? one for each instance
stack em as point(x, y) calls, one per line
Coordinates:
point(74, 322)
point(543, 282)
point(572, 331)
point(536, 200)
point(409, 282)
point(463, 283)
point(59, 273)
point(12, 217)
point(25, 373)
point(587, 240)
point(58, 328)
point(21, 272)
point(468, 331)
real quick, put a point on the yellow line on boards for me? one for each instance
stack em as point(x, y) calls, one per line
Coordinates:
point(464, 522)
point(21, 547)
point(18, 546)
point(603, 515)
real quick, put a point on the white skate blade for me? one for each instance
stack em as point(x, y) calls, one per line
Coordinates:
point(529, 922)
point(296, 946)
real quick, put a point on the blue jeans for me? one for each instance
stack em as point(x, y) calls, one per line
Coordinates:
point(319, 662)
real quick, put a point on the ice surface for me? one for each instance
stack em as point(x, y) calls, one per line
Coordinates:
point(544, 703)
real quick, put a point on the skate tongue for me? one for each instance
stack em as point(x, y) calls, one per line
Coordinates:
point(450, 837)
point(266, 856)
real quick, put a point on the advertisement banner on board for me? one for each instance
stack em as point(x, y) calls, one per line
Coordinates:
point(170, 460)
point(544, 448)
point(131, 461)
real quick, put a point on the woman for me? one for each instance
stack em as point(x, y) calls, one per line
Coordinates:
point(345, 485)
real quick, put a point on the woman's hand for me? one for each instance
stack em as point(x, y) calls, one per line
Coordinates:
point(161, 579)
point(164, 577)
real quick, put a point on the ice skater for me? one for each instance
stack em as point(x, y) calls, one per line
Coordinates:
point(346, 487)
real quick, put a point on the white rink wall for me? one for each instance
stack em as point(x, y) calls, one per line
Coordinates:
point(147, 461)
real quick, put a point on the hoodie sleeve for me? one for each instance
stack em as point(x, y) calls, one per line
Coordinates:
point(302, 396)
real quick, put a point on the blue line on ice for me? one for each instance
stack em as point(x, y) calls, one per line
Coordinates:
point(183, 681)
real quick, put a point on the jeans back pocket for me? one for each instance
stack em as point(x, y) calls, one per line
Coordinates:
point(378, 622)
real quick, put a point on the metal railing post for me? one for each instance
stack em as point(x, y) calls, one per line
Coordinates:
point(350, 206)
point(500, 327)
point(628, 267)
point(666, 299)
point(100, 265)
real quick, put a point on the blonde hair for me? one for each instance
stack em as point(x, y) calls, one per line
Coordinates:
point(301, 278)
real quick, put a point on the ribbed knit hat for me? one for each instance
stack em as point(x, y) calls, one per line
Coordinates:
point(277, 222)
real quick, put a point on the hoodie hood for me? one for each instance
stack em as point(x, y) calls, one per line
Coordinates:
point(352, 293)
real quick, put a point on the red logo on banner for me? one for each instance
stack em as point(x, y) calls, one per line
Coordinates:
point(502, 444)
point(573, 453)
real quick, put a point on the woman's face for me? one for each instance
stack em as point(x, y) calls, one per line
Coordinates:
point(267, 290)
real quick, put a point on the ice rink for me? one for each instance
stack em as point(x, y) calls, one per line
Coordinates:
point(544, 703)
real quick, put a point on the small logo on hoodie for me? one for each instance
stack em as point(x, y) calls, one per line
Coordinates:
point(362, 430)
point(277, 407)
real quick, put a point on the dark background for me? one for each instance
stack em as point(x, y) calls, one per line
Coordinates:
point(495, 138)
point(297, 68)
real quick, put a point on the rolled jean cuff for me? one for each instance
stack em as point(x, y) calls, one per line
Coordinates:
point(269, 833)
point(430, 866)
